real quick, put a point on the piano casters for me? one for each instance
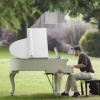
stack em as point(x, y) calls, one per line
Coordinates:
point(12, 75)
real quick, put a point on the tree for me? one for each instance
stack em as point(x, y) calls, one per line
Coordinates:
point(17, 15)
point(88, 8)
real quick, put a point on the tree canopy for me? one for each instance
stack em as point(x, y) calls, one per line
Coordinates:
point(16, 15)
point(13, 13)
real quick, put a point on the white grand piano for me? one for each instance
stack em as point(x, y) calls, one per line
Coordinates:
point(31, 54)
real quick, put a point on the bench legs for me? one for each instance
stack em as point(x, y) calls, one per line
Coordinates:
point(82, 91)
point(99, 88)
point(86, 88)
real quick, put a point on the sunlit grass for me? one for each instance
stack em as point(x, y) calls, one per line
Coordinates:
point(32, 85)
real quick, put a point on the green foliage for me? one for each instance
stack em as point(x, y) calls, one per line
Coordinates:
point(90, 42)
point(17, 15)
point(14, 12)
point(88, 8)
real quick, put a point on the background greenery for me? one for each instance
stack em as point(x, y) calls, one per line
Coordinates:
point(17, 15)
point(34, 85)
point(90, 42)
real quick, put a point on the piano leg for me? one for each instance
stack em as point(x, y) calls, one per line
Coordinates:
point(12, 75)
point(57, 82)
point(51, 81)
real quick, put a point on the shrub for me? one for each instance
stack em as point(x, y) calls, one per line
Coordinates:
point(90, 42)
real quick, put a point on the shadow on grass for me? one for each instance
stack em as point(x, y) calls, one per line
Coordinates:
point(33, 97)
point(39, 97)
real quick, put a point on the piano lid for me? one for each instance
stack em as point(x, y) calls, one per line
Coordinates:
point(34, 46)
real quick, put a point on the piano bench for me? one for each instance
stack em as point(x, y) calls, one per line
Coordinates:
point(97, 81)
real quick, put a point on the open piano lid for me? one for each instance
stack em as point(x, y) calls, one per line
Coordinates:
point(34, 46)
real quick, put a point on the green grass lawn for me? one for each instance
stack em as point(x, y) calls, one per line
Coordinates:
point(32, 85)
